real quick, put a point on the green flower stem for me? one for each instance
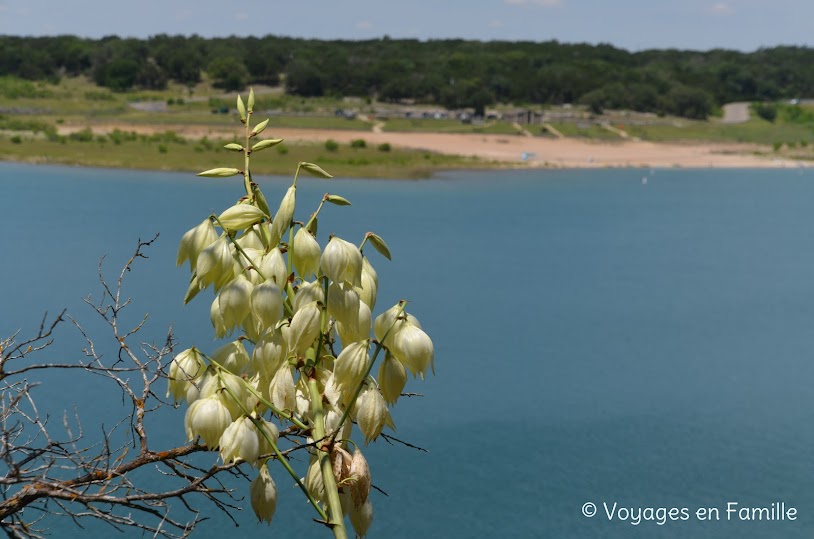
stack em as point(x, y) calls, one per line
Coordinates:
point(337, 520)
point(316, 213)
point(239, 248)
point(277, 452)
point(247, 182)
point(379, 346)
point(364, 241)
point(286, 415)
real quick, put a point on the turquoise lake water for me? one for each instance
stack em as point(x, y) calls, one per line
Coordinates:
point(597, 339)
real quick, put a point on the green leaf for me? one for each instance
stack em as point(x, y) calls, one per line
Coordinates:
point(315, 170)
point(338, 200)
point(379, 244)
point(219, 172)
point(259, 128)
point(235, 147)
point(241, 109)
point(268, 143)
point(251, 100)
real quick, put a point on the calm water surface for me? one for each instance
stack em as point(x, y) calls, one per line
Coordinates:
point(597, 339)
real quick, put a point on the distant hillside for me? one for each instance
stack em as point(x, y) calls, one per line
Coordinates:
point(452, 73)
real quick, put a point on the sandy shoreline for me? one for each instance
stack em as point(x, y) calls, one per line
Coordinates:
point(513, 149)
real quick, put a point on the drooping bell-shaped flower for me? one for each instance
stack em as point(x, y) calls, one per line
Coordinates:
point(281, 389)
point(343, 304)
point(194, 241)
point(267, 303)
point(361, 518)
point(342, 262)
point(413, 348)
point(249, 260)
point(252, 239)
point(194, 389)
point(186, 368)
point(308, 292)
point(392, 378)
point(241, 216)
point(371, 413)
point(305, 254)
point(385, 325)
point(351, 365)
point(239, 441)
point(305, 327)
point(313, 480)
point(358, 331)
point(285, 213)
point(267, 433)
point(333, 415)
point(215, 264)
point(230, 390)
point(270, 352)
point(360, 477)
point(370, 284)
point(217, 319)
point(207, 418)
point(235, 302)
point(273, 267)
point(232, 357)
point(263, 493)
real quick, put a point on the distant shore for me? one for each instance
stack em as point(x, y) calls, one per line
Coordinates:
point(513, 150)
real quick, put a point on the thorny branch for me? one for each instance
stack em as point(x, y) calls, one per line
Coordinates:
point(58, 468)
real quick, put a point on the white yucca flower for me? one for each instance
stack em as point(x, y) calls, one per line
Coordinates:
point(217, 319)
point(247, 262)
point(392, 378)
point(229, 389)
point(281, 389)
point(232, 357)
point(271, 437)
point(273, 267)
point(343, 304)
point(307, 293)
point(263, 494)
point(371, 412)
point(383, 324)
point(239, 441)
point(342, 262)
point(252, 239)
point(358, 331)
point(186, 368)
point(207, 418)
point(305, 327)
point(215, 264)
point(413, 348)
point(194, 241)
point(267, 303)
point(351, 365)
point(235, 302)
point(305, 254)
point(370, 284)
point(313, 480)
point(270, 351)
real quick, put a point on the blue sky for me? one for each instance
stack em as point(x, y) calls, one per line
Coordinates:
point(631, 24)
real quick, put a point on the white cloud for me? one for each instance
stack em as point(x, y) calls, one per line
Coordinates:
point(364, 25)
point(241, 16)
point(720, 8)
point(496, 24)
point(543, 3)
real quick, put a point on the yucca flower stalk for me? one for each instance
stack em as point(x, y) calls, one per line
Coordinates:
point(301, 352)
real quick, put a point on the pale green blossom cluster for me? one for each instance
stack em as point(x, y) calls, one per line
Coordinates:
point(303, 346)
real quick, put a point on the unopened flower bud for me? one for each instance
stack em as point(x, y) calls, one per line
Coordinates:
point(392, 378)
point(360, 476)
point(361, 518)
point(194, 241)
point(263, 493)
point(239, 441)
point(351, 365)
point(306, 253)
point(285, 213)
point(305, 327)
point(342, 262)
point(241, 216)
point(186, 368)
point(371, 413)
point(207, 418)
point(267, 303)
